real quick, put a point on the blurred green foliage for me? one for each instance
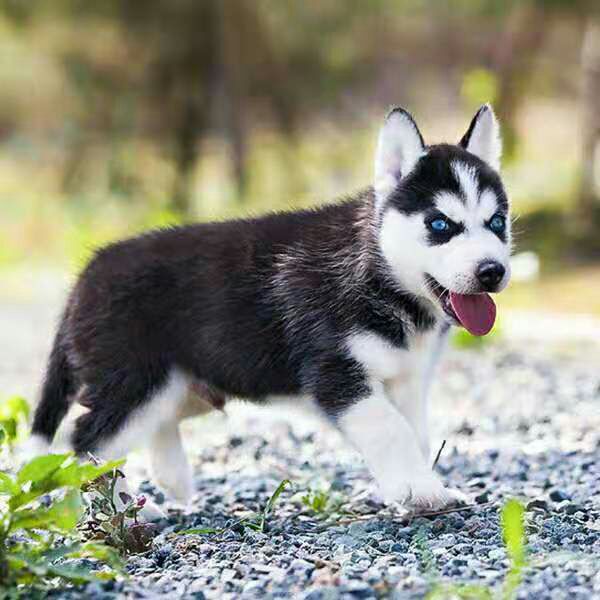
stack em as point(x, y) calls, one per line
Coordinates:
point(118, 116)
point(513, 534)
point(512, 515)
point(40, 506)
point(464, 340)
point(14, 412)
point(479, 86)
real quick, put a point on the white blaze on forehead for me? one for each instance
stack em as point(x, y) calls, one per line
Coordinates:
point(452, 206)
point(469, 184)
point(455, 208)
point(474, 207)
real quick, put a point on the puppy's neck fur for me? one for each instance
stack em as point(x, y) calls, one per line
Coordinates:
point(365, 285)
point(382, 287)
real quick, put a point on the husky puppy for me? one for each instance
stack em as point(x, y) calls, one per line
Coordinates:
point(346, 306)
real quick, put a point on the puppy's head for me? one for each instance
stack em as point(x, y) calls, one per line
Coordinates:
point(443, 214)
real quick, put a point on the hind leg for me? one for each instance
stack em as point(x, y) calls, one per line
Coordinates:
point(170, 466)
point(171, 469)
point(120, 420)
point(124, 417)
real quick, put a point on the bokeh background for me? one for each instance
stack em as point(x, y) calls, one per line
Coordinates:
point(121, 115)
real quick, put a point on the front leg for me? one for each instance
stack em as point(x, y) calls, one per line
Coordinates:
point(392, 453)
point(409, 392)
point(408, 396)
point(382, 435)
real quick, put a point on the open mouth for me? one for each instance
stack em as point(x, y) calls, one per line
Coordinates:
point(475, 312)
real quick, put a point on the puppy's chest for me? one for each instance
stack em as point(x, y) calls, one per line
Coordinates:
point(383, 360)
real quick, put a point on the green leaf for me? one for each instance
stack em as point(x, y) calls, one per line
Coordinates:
point(19, 561)
point(71, 550)
point(459, 592)
point(96, 550)
point(27, 566)
point(199, 531)
point(91, 472)
point(7, 485)
point(13, 411)
point(41, 467)
point(318, 501)
point(15, 407)
point(76, 474)
point(44, 568)
point(39, 473)
point(9, 426)
point(62, 515)
point(67, 511)
point(73, 573)
point(262, 519)
point(513, 530)
point(102, 552)
point(273, 499)
point(67, 475)
point(3, 435)
point(52, 476)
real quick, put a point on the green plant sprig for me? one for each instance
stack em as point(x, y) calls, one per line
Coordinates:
point(115, 523)
point(23, 514)
point(256, 522)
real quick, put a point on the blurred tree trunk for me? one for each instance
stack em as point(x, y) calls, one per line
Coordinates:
point(589, 196)
point(232, 86)
point(189, 130)
point(514, 61)
point(190, 79)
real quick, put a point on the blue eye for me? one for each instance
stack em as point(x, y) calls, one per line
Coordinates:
point(497, 223)
point(439, 225)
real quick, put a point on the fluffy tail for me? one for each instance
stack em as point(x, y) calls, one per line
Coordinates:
point(56, 391)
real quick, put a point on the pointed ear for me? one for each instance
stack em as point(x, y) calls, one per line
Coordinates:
point(483, 137)
point(399, 147)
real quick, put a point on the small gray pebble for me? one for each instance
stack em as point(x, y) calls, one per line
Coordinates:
point(538, 503)
point(558, 495)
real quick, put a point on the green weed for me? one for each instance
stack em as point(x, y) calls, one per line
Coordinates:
point(256, 522)
point(513, 534)
point(325, 505)
point(14, 413)
point(40, 505)
point(115, 523)
point(317, 501)
point(424, 553)
point(259, 521)
point(41, 510)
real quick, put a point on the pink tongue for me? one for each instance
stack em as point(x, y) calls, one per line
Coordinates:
point(476, 312)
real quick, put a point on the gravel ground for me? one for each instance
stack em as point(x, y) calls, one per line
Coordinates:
point(521, 418)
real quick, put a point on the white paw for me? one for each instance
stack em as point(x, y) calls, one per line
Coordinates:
point(180, 489)
point(459, 498)
point(424, 493)
point(182, 492)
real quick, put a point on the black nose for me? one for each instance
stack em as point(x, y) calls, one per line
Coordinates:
point(490, 274)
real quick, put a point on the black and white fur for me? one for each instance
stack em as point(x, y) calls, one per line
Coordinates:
point(332, 306)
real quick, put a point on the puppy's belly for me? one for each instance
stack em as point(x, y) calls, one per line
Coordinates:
point(200, 400)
